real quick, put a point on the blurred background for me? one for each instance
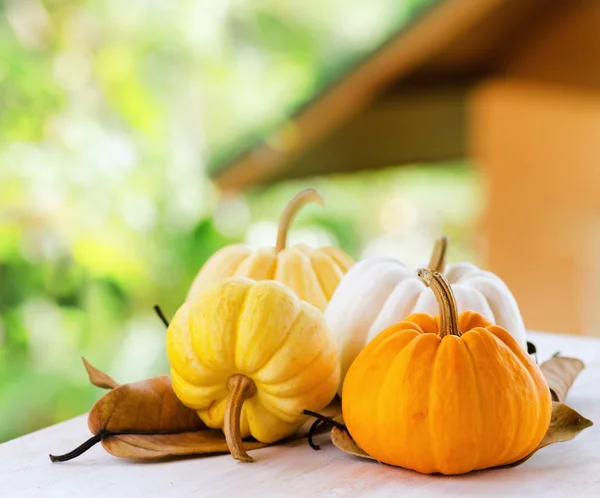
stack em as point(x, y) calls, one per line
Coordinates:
point(138, 137)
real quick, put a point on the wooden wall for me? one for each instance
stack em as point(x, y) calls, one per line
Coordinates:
point(539, 147)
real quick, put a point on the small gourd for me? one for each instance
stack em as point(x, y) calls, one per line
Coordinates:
point(249, 357)
point(448, 394)
point(313, 274)
point(378, 292)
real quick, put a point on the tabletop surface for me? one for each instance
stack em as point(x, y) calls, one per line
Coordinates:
point(564, 469)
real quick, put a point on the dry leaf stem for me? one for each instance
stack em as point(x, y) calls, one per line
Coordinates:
point(161, 315)
point(80, 449)
point(321, 420)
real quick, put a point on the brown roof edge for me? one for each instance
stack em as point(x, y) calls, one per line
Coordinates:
point(355, 92)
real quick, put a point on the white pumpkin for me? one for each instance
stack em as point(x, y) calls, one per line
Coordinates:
point(379, 292)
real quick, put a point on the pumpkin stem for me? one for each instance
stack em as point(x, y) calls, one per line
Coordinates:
point(241, 388)
point(300, 199)
point(445, 299)
point(438, 257)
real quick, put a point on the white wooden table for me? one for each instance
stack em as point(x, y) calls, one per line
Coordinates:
point(569, 469)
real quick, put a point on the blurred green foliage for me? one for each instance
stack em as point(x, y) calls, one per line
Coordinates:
point(111, 113)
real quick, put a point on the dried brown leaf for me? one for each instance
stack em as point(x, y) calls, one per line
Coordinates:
point(158, 446)
point(146, 407)
point(342, 440)
point(565, 425)
point(146, 421)
point(149, 407)
point(97, 377)
point(560, 373)
point(209, 441)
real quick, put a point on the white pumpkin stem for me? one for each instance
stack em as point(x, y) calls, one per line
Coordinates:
point(300, 199)
point(445, 298)
point(438, 257)
point(241, 388)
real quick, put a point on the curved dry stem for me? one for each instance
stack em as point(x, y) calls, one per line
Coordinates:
point(161, 315)
point(241, 388)
point(79, 450)
point(438, 257)
point(445, 299)
point(300, 199)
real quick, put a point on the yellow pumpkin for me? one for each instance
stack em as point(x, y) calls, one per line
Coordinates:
point(313, 274)
point(249, 357)
point(448, 394)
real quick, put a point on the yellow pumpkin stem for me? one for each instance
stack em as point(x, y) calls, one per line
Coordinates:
point(300, 199)
point(445, 298)
point(438, 257)
point(241, 388)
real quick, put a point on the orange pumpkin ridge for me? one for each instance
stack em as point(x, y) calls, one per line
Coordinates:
point(449, 394)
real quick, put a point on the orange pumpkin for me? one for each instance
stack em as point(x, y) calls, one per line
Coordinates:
point(448, 394)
